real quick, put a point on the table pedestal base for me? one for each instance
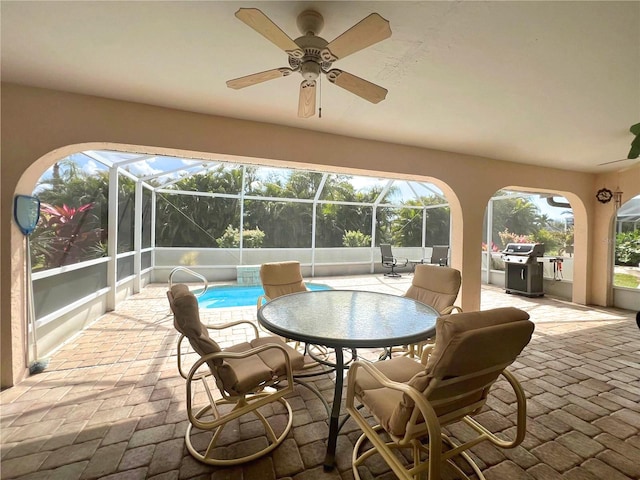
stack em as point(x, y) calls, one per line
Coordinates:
point(330, 458)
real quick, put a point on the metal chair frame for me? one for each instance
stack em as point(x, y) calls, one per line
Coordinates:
point(263, 394)
point(390, 261)
point(425, 426)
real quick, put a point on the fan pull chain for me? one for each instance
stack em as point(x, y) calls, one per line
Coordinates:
point(320, 102)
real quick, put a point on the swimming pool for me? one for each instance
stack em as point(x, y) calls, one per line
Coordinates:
point(222, 296)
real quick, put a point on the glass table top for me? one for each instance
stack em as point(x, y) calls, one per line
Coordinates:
point(349, 318)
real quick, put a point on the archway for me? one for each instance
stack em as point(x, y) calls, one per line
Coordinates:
point(521, 215)
point(113, 285)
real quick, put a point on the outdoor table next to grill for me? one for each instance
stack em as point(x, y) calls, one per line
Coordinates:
point(347, 319)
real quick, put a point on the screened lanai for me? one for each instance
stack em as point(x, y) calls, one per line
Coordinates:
point(162, 202)
point(113, 222)
point(126, 220)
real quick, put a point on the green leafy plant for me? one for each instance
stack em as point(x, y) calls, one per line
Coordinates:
point(556, 242)
point(356, 239)
point(231, 238)
point(628, 248)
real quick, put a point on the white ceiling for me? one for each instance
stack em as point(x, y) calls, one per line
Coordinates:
point(544, 83)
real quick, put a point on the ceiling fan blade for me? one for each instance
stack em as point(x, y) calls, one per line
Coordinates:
point(613, 161)
point(368, 31)
point(269, 30)
point(635, 144)
point(256, 78)
point(307, 99)
point(358, 86)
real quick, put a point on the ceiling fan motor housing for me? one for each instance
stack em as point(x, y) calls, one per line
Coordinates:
point(311, 64)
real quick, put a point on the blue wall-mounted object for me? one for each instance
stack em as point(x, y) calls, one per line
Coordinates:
point(26, 211)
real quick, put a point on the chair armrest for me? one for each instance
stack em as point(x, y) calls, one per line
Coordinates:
point(426, 351)
point(217, 328)
point(247, 353)
point(405, 261)
point(234, 324)
point(194, 375)
point(380, 377)
point(261, 300)
point(427, 411)
point(450, 309)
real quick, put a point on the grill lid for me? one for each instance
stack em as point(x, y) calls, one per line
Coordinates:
point(524, 249)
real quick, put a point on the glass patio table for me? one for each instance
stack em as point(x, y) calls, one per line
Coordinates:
point(347, 319)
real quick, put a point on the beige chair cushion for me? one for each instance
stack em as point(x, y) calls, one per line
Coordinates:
point(274, 358)
point(240, 375)
point(186, 320)
point(465, 343)
point(397, 369)
point(281, 278)
point(434, 285)
point(455, 332)
point(243, 375)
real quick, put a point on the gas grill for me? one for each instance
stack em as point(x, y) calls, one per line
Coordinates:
point(523, 271)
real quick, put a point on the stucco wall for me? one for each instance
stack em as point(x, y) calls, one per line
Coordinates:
point(40, 126)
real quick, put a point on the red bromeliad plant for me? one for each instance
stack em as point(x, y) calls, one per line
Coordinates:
point(63, 214)
point(67, 235)
point(494, 247)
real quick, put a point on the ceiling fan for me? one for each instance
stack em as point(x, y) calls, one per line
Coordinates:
point(312, 56)
point(635, 146)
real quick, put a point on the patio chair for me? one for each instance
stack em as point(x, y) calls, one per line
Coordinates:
point(389, 261)
point(280, 278)
point(437, 287)
point(283, 278)
point(248, 376)
point(413, 401)
point(439, 255)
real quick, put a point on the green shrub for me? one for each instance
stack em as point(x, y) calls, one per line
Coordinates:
point(556, 242)
point(355, 239)
point(231, 238)
point(628, 248)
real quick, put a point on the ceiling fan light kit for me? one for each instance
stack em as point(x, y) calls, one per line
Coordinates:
point(311, 55)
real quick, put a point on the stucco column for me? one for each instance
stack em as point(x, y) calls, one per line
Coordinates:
point(467, 213)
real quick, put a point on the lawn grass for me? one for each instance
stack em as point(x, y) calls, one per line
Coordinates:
point(626, 280)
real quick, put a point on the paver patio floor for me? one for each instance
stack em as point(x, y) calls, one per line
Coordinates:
point(111, 403)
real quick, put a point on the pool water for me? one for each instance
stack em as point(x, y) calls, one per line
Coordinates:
point(223, 296)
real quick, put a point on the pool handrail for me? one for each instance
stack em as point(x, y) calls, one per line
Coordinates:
point(190, 272)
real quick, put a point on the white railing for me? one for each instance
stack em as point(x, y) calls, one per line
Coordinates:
point(188, 271)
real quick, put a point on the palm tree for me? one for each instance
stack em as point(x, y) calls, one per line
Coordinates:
point(516, 215)
point(196, 221)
